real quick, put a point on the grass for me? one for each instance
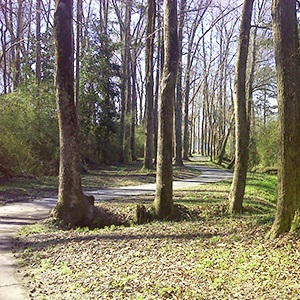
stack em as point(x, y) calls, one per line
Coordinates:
point(214, 256)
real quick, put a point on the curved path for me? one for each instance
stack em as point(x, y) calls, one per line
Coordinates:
point(15, 215)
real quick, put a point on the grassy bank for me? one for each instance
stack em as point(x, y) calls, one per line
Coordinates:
point(212, 256)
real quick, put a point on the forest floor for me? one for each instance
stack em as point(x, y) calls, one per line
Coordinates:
point(210, 255)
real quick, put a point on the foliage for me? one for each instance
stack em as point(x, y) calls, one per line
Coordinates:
point(264, 151)
point(29, 135)
point(140, 137)
point(98, 115)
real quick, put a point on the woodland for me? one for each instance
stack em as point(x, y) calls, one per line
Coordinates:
point(116, 62)
point(92, 86)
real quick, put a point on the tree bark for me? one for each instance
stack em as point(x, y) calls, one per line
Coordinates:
point(179, 90)
point(78, 51)
point(72, 206)
point(286, 44)
point(127, 65)
point(17, 62)
point(224, 142)
point(163, 203)
point(38, 42)
point(241, 121)
point(148, 153)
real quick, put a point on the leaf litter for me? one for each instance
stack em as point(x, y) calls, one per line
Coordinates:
point(202, 259)
point(211, 256)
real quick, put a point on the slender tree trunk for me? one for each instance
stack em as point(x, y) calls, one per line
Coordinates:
point(179, 90)
point(148, 153)
point(127, 77)
point(133, 111)
point(125, 101)
point(77, 56)
point(38, 42)
point(17, 62)
point(186, 139)
point(3, 44)
point(163, 203)
point(224, 143)
point(286, 44)
point(241, 121)
point(72, 206)
point(156, 98)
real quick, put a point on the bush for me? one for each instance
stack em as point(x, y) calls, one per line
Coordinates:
point(29, 131)
point(264, 151)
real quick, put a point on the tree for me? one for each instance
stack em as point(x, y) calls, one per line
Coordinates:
point(78, 51)
point(163, 203)
point(179, 89)
point(286, 45)
point(38, 42)
point(148, 152)
point(241, 121)
point(72, 206)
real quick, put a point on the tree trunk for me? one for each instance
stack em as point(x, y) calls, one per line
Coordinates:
point(186, 139)
point(241, 121)
point(179, 90)
point(17, 62)
point(4, 31)
point(148, 152)
point(163, 203)
point(286, 44)
point(78, 46)
point(72, 206)
point(127, 77)
point(133, 111)
point(224, 143)
point(38, 42)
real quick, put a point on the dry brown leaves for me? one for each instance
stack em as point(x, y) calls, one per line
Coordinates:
point(212, 258)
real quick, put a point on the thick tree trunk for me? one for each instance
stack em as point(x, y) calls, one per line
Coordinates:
point(163, 203)
point(72, 207)
point(148, 153)
point(241, 121)
point(286, 44)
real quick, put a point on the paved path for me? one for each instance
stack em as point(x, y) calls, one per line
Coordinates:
point(15, 215)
